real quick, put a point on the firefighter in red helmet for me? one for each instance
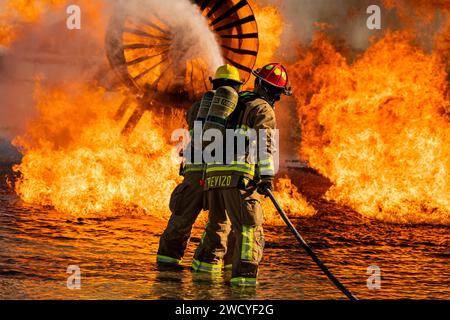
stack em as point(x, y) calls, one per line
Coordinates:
point(243, 180)
point(271, 82)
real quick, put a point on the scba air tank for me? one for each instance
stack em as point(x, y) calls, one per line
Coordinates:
point(205, 105)
point(223, 104)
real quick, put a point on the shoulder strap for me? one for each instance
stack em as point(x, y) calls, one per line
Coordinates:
point(244, 98)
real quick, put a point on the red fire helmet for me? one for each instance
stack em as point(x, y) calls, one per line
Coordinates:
point(276, 75)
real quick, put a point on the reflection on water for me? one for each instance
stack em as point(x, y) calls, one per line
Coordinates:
point(116, 257)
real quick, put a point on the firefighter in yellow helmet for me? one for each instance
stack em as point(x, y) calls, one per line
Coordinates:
point(234, 186)
point(187, 200)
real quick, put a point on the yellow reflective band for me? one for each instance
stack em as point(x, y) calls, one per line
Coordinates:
point(250, 245)
point(265, 162)
point(195, 264)
point(244, 244)
point(194, 165)
point(251, 172)
point(193, 170)
point(266, 167)
point(242, 281)
point(166, 259)
point(204, 232)
point(233, 166)
point(247, 243)
point(206, 267)
point(239, 163)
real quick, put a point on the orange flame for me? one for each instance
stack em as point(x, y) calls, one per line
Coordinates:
point(378, 128)
point(77, 161)
point(292, 202)
point(425, 12)
point(270, 28)
point(17, 12)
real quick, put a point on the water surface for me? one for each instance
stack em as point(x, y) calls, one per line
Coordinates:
point(116, 256)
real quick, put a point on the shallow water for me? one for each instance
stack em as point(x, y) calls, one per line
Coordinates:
point(116, 257)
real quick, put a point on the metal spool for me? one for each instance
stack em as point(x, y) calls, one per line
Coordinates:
point(138, 50)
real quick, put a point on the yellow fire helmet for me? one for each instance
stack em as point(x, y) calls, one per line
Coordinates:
point(227, 72)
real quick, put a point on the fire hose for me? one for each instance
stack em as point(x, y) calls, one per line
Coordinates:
point(308, 249)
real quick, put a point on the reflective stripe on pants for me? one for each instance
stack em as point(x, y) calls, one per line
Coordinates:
point(242, 281)
point(206, 267)
point(247, 243)
point(166, 259)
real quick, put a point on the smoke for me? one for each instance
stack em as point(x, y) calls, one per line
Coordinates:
point(8, 153)
point(342, 19)
point(47, 52)
point(344, 24)
point(44, 51)
point(191, 37)
point(345, 21)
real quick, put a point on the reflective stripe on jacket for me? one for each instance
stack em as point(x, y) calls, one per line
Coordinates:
point(255, 113)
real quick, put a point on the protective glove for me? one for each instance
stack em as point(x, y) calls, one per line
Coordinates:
point(266, 182)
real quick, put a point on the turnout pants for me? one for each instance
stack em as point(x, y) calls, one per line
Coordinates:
point(186, 203)
point(244, 210)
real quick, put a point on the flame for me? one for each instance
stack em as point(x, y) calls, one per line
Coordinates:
point(270, 28)
point(17, 12)
point(292, 202)
point(75, 158)
point(442, 44)
point(420, 13)
point(425, 9)
point(9, 183)
point(77, 161)
point(377, 128)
